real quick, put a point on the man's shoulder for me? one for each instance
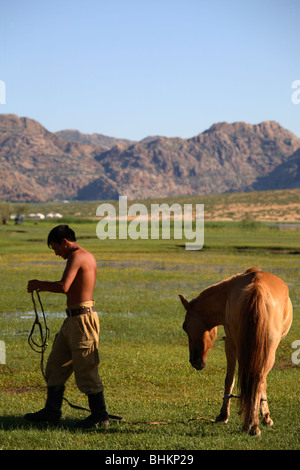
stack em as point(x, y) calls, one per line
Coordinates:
point(82, 255)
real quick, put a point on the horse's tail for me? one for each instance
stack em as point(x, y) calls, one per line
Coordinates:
point(253, 347)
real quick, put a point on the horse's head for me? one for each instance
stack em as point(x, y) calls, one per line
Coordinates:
point(201, 337)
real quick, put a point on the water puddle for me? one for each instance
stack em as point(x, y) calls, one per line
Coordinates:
point(30, 315)
point(124, 314)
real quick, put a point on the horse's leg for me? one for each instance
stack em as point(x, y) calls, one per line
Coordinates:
point(264, 408)
point(253, 422)
point(260, 401)
point(229, 380)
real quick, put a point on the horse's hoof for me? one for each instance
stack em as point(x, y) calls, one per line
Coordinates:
point(221, 419)
point(268, 421)
point(255, 431)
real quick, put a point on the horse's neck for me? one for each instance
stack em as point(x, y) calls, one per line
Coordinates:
point(215, 298)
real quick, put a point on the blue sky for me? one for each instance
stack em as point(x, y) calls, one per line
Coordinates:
point(133, 68)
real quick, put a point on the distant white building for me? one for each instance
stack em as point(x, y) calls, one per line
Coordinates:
point(40, 216)
point(36, 216)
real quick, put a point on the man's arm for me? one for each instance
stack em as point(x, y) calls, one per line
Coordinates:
point(49, 286)
point(62, 286)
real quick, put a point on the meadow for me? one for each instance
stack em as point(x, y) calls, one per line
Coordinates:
point(144, 358)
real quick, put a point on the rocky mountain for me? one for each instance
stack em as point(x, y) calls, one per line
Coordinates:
point(284, 176)
point(37, 165)
point(98, 140)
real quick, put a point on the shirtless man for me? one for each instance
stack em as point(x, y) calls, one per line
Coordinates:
point(75, 348)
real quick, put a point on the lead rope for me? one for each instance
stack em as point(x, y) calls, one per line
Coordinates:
point(41, 347)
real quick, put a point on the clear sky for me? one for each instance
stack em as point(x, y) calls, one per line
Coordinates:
point(133, 68)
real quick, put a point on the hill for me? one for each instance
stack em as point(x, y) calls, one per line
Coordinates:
point(98, 140)
point(37, 165)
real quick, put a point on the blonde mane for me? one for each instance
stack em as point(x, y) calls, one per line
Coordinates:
point(215, 288)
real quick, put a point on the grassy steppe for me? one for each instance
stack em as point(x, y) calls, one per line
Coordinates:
point(143, 349)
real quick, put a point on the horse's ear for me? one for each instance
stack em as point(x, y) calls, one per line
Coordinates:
point(184, 301)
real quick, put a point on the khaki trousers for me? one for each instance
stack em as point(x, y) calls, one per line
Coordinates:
point(75, 349)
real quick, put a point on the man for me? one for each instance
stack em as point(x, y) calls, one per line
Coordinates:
point(75, 348)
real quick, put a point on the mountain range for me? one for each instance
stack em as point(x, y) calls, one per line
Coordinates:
point(38, 165)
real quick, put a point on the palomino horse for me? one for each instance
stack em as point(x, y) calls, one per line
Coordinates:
point(256, 312)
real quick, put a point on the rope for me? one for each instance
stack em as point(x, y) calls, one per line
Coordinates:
point(230, 396)
point(169, 423)
point(41, 346)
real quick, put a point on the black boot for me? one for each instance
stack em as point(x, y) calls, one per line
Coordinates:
point(51, 413)
point(99, 415)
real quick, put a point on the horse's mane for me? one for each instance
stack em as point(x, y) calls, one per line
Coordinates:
point(211, 290)
point(215, 288)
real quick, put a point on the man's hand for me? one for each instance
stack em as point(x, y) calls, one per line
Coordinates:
point(32, 285)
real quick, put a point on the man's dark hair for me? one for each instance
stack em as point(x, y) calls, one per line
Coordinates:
point(60, 232)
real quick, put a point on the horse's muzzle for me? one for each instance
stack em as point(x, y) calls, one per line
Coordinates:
point(199, 365)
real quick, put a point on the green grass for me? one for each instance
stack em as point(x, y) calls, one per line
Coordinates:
point(143, 349)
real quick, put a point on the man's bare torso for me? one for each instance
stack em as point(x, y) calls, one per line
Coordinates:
point(79, 277)
point(81, 270)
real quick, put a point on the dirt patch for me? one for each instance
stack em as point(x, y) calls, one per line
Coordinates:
point(255, 211)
